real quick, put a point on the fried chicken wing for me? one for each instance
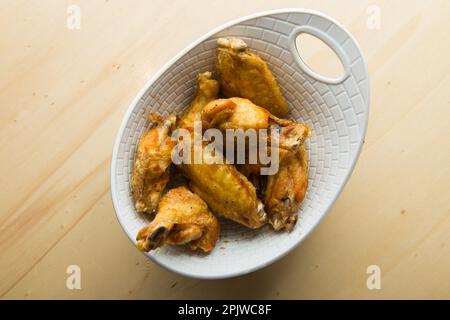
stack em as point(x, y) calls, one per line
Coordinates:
point(207, 90)
point(151, 168)
point(183, 218)
point(239, 113)
point(286, 190)
point(226, 191)
point(242, 73)
point(283, 191)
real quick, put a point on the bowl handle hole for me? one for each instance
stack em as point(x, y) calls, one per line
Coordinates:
point(319, 55)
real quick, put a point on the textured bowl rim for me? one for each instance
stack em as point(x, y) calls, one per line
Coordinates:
point(161, 71)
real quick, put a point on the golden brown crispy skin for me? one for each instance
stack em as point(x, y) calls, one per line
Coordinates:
point(151, 168)
point(182, 218)
point(226, 191)
point(242, 73)
point(239, 113)
point(207, 90)
point(235, 113)
point(285, 190)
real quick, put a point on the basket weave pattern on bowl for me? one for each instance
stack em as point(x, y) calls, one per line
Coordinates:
point(336, 113)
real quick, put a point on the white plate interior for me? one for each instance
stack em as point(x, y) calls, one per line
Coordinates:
point(336, 113)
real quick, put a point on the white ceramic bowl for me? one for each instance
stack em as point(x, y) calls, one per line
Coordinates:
point(335, 109)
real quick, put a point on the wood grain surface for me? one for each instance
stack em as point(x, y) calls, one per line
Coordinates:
point(63, 93)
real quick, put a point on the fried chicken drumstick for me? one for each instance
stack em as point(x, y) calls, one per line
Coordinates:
point(286, 190)
point(183, 218)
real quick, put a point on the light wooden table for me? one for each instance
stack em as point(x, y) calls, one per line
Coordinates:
point(63, 93)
